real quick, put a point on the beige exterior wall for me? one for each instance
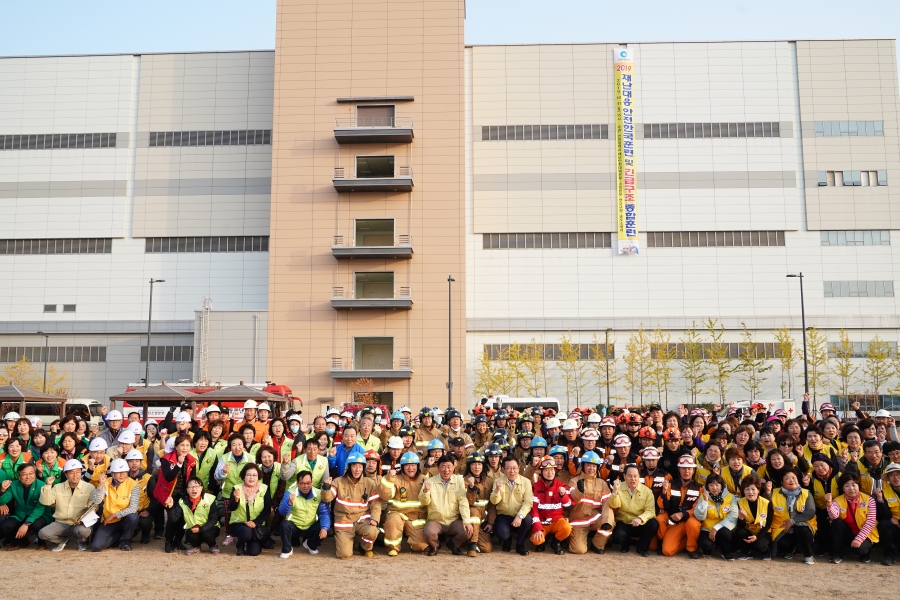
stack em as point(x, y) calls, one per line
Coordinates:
point(850, 80)
point(326, 50)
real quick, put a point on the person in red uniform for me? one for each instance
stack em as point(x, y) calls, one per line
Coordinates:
point(551, 499)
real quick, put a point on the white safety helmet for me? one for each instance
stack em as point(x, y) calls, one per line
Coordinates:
point(295, 417)
point(553, 422)
point(118, 466)
point(114, 416)
point(35, 422)
point(405, 409)
point(594, 418)
point(135, 428)
point(569, 424)
point(395, 442)
point(213, 408)
point(882, 413)
point(183, 417)
point(332, 411)
point(72, 464)
point(251, 404)
point(12, 416)
point(264, 406)
point(134, 455)
point(170, 445)
point(347, 414)
point(126, 437)
point(98, 445)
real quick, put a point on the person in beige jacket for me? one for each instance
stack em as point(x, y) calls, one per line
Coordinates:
point(71, 499)
point(513, 497)
point(444, 495)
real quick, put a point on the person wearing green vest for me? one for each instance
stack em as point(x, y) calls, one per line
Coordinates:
point(250, 505)
point(198, 519)
point(306, 517)
point(310, 461)
point(207, 457)
point(50, 465)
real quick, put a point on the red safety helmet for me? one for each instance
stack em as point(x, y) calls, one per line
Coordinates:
point(647, 432)
point(671, 434)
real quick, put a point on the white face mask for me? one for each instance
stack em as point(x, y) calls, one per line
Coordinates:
point(295, 428)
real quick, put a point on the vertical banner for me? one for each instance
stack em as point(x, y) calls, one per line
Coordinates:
point(626, 161)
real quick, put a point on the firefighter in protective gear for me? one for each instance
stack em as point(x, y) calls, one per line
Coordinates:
point(434, 450)
point(551, 499)
point(373, 465)
point(478, 494)
point(672, 451)
point(390, 460)
point(623, 455)
point(492, 455)
point(405, 513)
point(653, 477)
point(523, 445)
point(590, 510)
point(481, 437)
point(454, 429)
point(427, 430)
point(606, 443)
point(357, 507)
point(678, 527)
point(561, 456)
point(398, 420)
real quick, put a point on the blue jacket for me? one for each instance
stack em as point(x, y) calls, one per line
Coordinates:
point(338, 462)
point(323, 513)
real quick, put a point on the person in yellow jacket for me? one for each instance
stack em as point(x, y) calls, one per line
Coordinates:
point(717, 511)
point(70, 499)
point(793, 518)
point(134, 458)
point(514, 498)
point(119, 496)
point(96, 463)
point(357, 508)
point(444, 496)
point(735, 470)
point(888, 507)
point(405, 513)
point(634, 511)
point(853, 520)
point(754, 522)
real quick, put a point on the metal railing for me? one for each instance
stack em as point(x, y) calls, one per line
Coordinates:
point(403, 362)
point(337, 291)
point(374, 122)
point(404, 239)
point(340, 173)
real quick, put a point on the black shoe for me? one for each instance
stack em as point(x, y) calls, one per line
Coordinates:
point(624, 549)
point(887, 561)
point(695, 555)
point(507, 545)
point(432, 551)
point(644, 553)
point(169, 548)
point(125, 546)
point(540, 547)
point(180, 546)
point(157, 536)
point(456, 551)
point(598, 550)
point(239, 551)
point(522, 551)
point(728, 557)
point(145, 538)
point(865, 558)
point(554, 545)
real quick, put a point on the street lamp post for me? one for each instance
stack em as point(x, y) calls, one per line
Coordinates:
point(606, 356)
point(149, 322)
point(450, 281)
point(803, 325)
point(46, 356)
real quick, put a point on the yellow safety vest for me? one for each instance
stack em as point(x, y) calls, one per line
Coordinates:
point(304, 511)
point(199, 516)
point(239, 515)
point(735, 486)
point(892, 499)
point(819, 491)
point(117, 497)
point(780, 515)
point(142, 482)
point(862, 512)
point(756, 525)
point(715, 513)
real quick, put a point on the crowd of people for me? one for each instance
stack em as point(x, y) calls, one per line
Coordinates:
point(743, 484)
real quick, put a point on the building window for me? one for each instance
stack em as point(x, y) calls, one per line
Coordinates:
point(544, 132)
point(168, 353)
point(706, 239)
point(37, 354)
point(853, 178)
point(859, 289)
point(869, 237)
point(503, 241)
point(849, 128)
point(859, 349)
point(240, 243)
point(53, 141)
point(68, 308)
point(57, 246)
point(240, 137)
point(551, 351)
point(711, 130)
point(49, 308)
point(765, 350)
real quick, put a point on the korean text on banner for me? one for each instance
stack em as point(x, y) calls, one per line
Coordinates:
point(626, 161)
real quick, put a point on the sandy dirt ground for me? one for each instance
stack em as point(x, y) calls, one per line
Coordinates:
point(147, 572)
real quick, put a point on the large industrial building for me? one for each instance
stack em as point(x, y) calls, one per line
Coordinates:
point(306, 206)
